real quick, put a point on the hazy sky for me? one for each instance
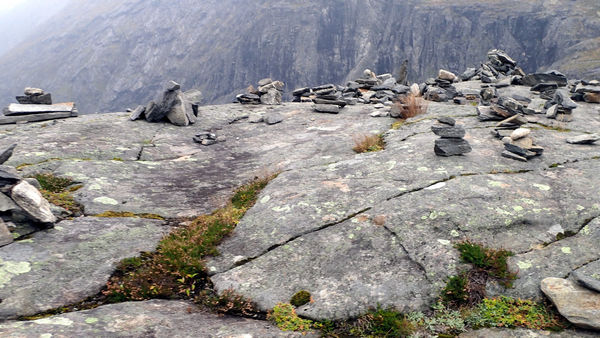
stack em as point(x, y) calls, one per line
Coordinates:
point(8, 4)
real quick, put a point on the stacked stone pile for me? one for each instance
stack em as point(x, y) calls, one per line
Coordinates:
point(269, 92)
point(520, 146)
point(36, 105)
point(451, 141)
point(369, 89)
point(499, 68)
point(560, 107)
point(20, 202)
point(177, 107)
point(586, 91)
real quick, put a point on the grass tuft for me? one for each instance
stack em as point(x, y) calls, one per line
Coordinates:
point(368, 143)
point(410, 106)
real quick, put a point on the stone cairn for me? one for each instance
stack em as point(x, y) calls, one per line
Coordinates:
point(269, 92)
point(586, 91)
point(369, 89)
point(451, 141)
point(21, 203)
point(36, 105)
point(177, 107)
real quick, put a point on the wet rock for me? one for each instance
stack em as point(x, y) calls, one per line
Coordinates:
point(578, 305)
point(451, 147)
point(33, 203)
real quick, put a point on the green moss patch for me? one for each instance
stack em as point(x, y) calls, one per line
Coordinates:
point(127, 214)
point(300, 298)
point(285, 317)
point(492, 261)
point(58, 191)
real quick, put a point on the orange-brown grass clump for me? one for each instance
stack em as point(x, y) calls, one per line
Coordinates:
point(368, 143)
point(410, 106)
point(177, 269)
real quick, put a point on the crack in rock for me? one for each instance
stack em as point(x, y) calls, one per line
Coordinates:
point(412, 259)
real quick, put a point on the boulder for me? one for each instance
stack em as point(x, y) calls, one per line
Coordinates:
point(547, 77)
point(153, 112)
point(446, 75)
point(577, 304)
point(33, 203)
point(177, 113)
point(272, 97)
point(451, 147)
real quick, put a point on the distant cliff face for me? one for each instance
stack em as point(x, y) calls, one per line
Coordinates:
point(116, 54)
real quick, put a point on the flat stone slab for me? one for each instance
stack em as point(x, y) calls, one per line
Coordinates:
point(155, 318)
point(70, 262)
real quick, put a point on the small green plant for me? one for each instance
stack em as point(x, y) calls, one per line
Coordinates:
point(368, 143)
point(227, 303)
point(456, 293)
point(510, 313)
point(285, 317)
point(492, 261)
point(300, 298)
point(53, 183)
point(443, 322)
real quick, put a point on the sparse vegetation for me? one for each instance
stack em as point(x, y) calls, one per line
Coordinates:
point(492, 261)
point(410, 106)
point(58, 191)
point(285, 317)
point(368, 143)
point(176, 269)
point(510, 313)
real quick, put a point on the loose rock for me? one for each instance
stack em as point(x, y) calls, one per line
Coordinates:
point(579, 305)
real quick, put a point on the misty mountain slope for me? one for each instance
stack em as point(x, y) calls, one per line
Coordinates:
point(116, 54)
point(18, 23)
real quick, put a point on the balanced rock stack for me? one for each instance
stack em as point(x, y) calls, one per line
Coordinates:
point(561, 106)
point(586, 91)
point(441, 88)
point(20, 202)
point(451, 142)
point(269, 92)
point(328, 99)
point(500, 69)
point(519, 146)
point(181, 109)
point(35, 96)
point(36, 105)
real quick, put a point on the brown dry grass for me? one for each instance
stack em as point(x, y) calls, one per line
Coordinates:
point(368, 143)
point(410, 106)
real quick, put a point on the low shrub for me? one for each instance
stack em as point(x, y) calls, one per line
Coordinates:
point(492, 261)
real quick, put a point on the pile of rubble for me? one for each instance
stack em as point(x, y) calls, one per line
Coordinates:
point(36, 105)
point(499, 69)
point(269, 92)
point(177, 107)
point(21, 203)
point(369, 89)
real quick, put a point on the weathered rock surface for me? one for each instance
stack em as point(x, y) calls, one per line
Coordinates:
point(579, 305)
point(155, 318)
point(525, 333)
point(70, 262)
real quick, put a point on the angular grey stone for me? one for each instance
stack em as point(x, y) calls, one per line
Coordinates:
point(485, 113)
point(137, 113)
point(446, 120)
point(584, 139)
point(327, 108)
point(563, 98)
point(172, 86)
point(511, 104)
point(501, 56)
point(341, 103)
point(548, 77)
point(578, 305)
point(552, 112)
point(468, 74)
point(70, 262)
point(513, 156)
point(264, 82)
point(300, 91)
point(446, 131)
point(7, 153)
point(38, 99)
point(194, 96)
point(515, 149)
point(154, 113)
point(278, 85)
point(177, 114)
point(273, 118)
point(588, 282)
point(8, 177)
point(5, 236)
point(451, 147)
point(255, 118)
point(272, 97)
point(32, 202)
point(6, 203)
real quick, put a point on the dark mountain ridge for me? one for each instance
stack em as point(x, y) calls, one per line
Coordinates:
point(115, 54)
